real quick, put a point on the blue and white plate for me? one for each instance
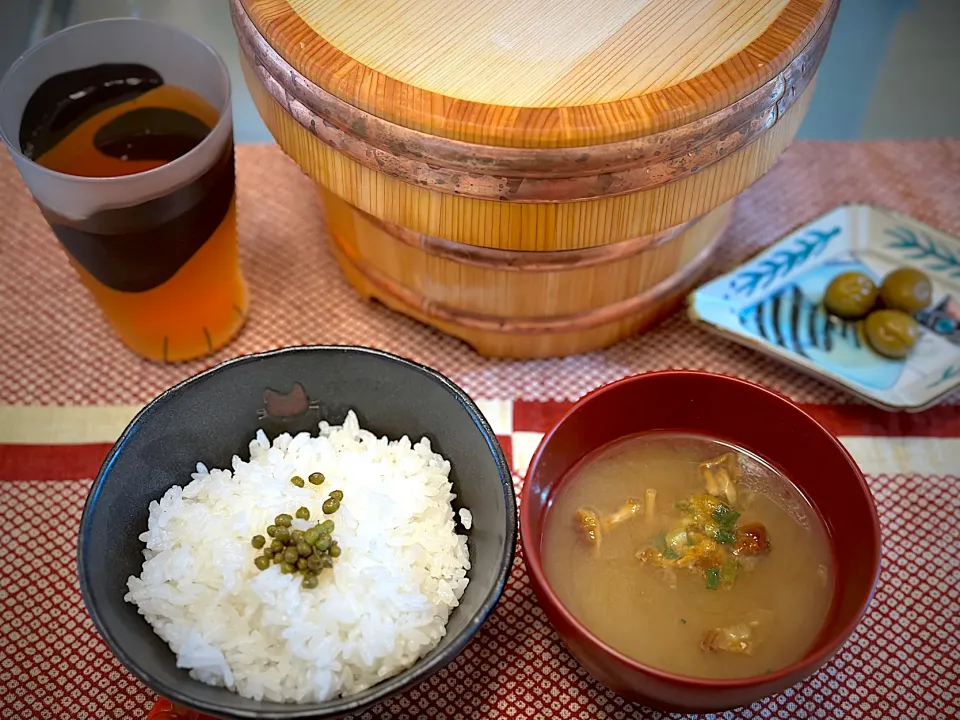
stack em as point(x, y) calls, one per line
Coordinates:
point(772, 303)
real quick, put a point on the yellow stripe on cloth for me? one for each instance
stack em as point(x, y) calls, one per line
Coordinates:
point(905, 455)
point(57, 425)
point(875, 455)
point(76, 425)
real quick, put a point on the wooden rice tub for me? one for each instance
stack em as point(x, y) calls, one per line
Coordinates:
point(538, 179)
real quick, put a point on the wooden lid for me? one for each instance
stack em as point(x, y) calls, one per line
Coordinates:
point(538, 73)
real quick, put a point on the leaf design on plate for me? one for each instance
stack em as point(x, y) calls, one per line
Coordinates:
point(949, 374)
point(762, 274)
point(935, 255)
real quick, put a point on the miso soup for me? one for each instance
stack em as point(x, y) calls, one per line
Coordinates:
point(689, 555)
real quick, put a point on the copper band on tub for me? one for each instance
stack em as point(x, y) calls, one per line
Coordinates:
point(530, 325)
point(526, 174)
point(523, 260)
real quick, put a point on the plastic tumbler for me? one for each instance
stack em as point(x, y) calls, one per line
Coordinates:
point(123, 132)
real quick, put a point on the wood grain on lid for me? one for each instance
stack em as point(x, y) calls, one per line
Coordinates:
point(538, 73)
point(539, 53)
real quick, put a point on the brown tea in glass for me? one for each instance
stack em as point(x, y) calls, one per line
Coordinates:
point(123, 131)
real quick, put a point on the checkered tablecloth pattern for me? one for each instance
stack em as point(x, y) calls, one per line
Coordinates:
point(67, 388)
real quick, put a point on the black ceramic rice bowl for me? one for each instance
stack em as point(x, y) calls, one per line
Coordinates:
point(213, 416)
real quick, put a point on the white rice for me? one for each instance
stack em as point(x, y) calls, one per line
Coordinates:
point(384, 604)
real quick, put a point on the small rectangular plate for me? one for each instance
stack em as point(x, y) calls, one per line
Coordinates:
point(772, 303)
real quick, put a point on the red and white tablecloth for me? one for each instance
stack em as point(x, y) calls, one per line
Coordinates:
point(68, 387)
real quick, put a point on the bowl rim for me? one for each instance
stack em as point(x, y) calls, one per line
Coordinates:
point(340, 706)
point(809, 662)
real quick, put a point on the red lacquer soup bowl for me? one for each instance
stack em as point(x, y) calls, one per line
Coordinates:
point(755, 419)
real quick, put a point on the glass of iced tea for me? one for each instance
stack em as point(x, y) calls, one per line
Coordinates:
point(122, 130)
